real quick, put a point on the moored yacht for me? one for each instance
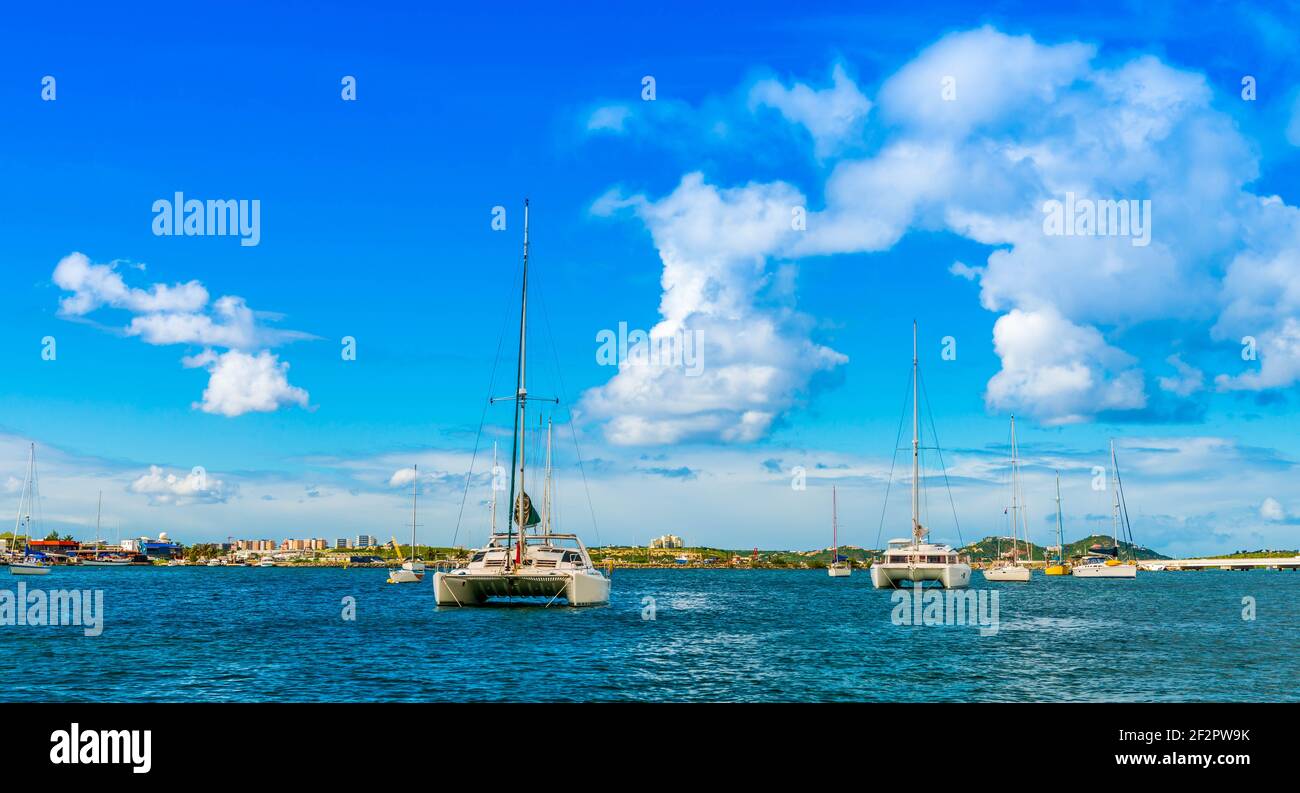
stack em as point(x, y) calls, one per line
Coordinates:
point(29, 562)
point(1013, 570)
point(838, 568)
point(528, 559)
point(411, 571)
point(1106, 562)
point(914, 560)
point(1058, 566)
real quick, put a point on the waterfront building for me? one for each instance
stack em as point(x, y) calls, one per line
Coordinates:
point(668, 541)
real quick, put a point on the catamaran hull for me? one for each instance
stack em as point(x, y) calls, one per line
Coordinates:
point(1105, 571)
point(1009, 573)
point(474, 589)
point(29, 569)
point(891, 576)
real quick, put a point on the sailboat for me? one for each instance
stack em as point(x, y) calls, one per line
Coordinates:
point(1058, 566)
point(99, 560)
point(28, 562)
point(839, 568)
point(914, 560)
point(1013, 570)
point(1104, 565)
point(411, 572)
point(529, 559)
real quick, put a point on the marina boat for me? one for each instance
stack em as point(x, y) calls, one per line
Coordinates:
point(266, 563)
point(100, 559)
point(838, 568)
point(1013, 570)
point(32, 564)
point(1106, 563)
point(29, 562)
point(411, 572)
point(530, 558)
point(914, 560)
point(1058, 566)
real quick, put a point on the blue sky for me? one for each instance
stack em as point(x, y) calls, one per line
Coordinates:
point(376, 224)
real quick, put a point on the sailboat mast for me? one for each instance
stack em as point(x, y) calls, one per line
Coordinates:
point(547, 502)
point(494, 489)
point(99, 511)
point(1015, 487)
point(835, 528)
point(916, 450)
point(26, 494)
point(517, 510)
point(415, 492)
point(1060, 541)
point(1114, 510)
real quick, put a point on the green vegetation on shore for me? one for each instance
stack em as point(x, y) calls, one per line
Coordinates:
point(990, 548)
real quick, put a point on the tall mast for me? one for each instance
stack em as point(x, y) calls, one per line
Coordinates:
point(517, 510)
point(1114, 511)
point(835, 528)
point(99, 511)
point(415, 491)
point(547, 503)
point(494, 490)
point(1060, 541)
point(26, 498)
point(1015, 482)
point(916, 450)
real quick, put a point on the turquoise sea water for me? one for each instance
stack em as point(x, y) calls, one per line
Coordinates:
point(255, 634)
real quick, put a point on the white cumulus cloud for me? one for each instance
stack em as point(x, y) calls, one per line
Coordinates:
point(167, 488)
point(245, 378)
point(1272, 510)
point(756, 359)
point(242, 383)
point(831, 115)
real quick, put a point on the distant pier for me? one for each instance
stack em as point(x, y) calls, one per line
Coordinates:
point(1238, 563)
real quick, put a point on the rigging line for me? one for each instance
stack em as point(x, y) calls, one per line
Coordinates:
point(946, 483)
point(546, 318)
point(478, 436)
point(902, 414)
point(1128, 527)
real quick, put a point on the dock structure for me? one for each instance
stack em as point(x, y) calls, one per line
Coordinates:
point(1241, 563)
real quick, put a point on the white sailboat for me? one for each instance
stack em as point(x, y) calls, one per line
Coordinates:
point(28, 563)
point(1097, 565)
point(914, 560)
point(530, 559)
point(412, 571)
point(1013, 570)
point(838, 568)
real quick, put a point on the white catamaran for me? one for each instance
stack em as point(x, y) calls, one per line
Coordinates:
point(915, 560)
point(28, 563)
point(529, 559)
point(839, 568)
point(1014, 570)
point(1101, 565)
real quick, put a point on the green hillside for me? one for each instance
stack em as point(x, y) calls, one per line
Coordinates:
point(988, 549)
point(991, 548)
point(1128, 550)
